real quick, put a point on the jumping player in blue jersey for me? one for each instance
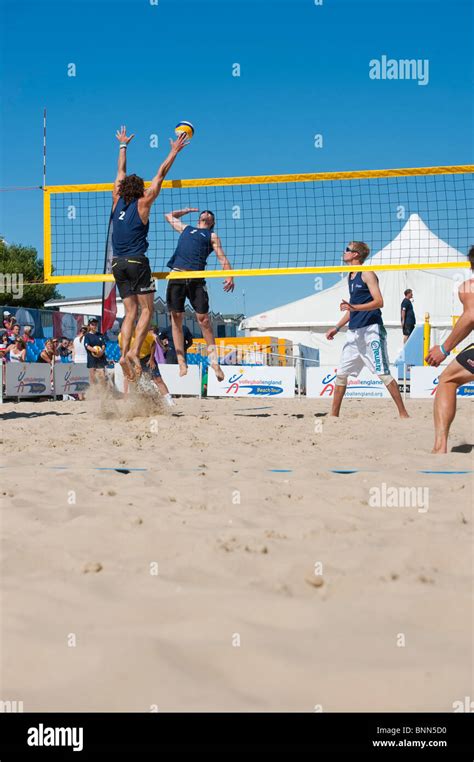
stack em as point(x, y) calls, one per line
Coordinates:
point(366, 343)
point(130, 265)
point(195, 244)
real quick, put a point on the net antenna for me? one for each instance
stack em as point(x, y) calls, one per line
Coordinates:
point(415, 218)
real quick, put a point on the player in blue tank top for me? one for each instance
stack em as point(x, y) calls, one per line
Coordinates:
point(366, 343)
point(195, 244)
point(130, 265)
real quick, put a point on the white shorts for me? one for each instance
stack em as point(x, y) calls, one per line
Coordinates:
point(365, 347)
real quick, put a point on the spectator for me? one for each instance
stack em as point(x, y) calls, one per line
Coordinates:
point(79, 352)
point(4, 346)
point(14, 334)
point(167, 336)
point(64, 352)
point(408, 315)
point(27, 335)
point(56, 349)
point(94, 343)
point(48, 354)
point(18, 351)
point(8, 321)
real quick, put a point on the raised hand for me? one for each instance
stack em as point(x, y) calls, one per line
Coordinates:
point(181, 141)
point(121, 135)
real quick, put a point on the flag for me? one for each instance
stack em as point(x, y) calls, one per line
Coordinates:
point(109, 296)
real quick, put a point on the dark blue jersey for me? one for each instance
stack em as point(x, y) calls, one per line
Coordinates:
point(410, 318)
point(193, 249)
point(129, 234)
point(360, 294)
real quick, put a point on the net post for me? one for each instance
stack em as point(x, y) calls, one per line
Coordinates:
point(47, 254)
point(426, 337)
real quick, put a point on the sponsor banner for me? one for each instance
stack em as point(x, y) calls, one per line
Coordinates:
point(70, 378)
point(252, 381)
point(30, 379)
point(424, 382)
point(320, 382)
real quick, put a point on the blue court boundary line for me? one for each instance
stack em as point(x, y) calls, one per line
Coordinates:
point(341, 471)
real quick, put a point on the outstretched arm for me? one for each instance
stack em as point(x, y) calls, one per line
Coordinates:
point(173, 218)
point(461, 330)
point(153, 191)
point(121, 136)
point(217, 246)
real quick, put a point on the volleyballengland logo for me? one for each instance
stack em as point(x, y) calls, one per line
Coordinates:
point(29, 385)
point(74, 384)
point(255, 388)
point(328, 384)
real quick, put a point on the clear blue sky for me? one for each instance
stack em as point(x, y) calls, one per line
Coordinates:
point(304, 70)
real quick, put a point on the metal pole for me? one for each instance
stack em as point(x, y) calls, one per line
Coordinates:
point(404, 381)
point(44, 148)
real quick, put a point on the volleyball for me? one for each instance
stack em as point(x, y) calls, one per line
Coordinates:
point(96, 350)
point(185, 127)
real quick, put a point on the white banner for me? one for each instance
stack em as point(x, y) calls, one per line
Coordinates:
point(70, 378)
point(29, 379)
point(424, 382)
point(185, 385)
point(252, 381)
point(320, 382)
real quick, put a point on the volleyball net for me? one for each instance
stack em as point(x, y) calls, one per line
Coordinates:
point(416, 218)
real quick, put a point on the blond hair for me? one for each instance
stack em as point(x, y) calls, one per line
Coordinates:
point(362, 249)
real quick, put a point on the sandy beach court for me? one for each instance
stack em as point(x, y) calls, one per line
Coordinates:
point(236, 571)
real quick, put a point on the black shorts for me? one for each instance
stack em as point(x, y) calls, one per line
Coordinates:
point(466, 358)
point(154, 372)
point(133, 275)
point(408, 329)
point(194, 289)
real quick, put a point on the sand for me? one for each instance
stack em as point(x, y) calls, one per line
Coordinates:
point(235, 573)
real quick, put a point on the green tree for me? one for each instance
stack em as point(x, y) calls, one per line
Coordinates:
point(19, 265)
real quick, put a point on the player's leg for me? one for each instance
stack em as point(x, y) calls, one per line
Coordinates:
point(145, 303)
point(394, 391)
point(162, 387)
point(454, 376)
point(340, 387)
point(350, 364)
point(375, 357)
point(123, 280)
point(175, 301)
point(130, 304)
point(141, 285)
point(199, 298)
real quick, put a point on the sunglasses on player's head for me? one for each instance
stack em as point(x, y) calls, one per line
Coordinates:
point(351, 251)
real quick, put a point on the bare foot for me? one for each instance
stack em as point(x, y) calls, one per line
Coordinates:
point(134, 362)
point(127, 369)
point(404, 415)
point(183, 368)
point(218, 371)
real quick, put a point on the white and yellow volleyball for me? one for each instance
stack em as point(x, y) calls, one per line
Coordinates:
point(185, 127)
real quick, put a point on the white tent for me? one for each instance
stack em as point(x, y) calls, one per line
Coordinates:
point(435, 291)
